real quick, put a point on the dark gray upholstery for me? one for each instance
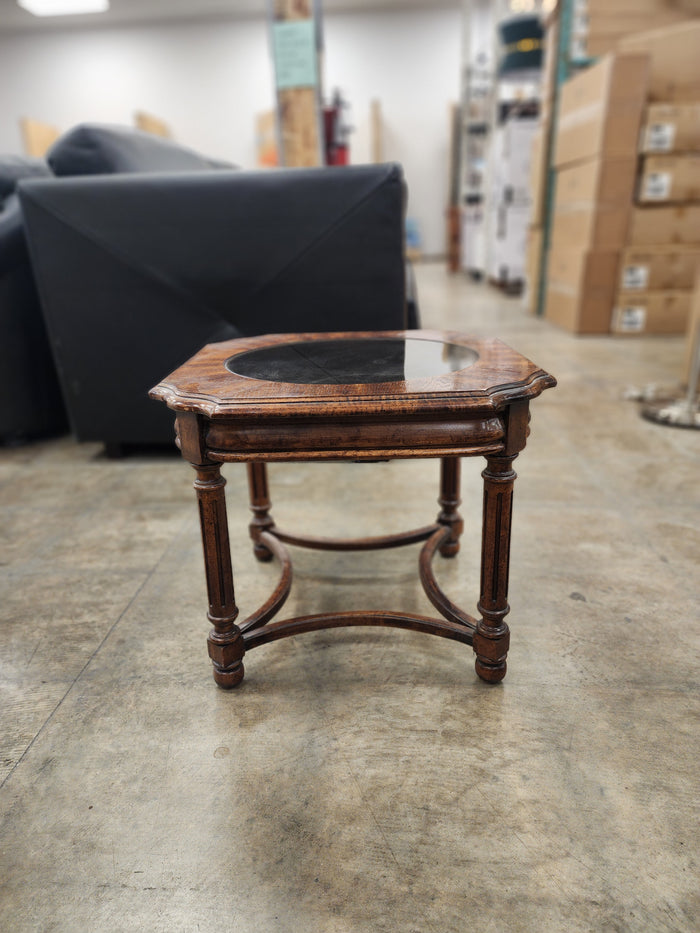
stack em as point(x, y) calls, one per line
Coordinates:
point(30, 404)
point(100, 149)
point(14, 168)
point(30, 398)
point(137, 272)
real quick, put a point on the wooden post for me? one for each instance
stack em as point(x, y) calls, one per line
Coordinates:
point(37, 137)
point(376, 131)
point(453, 207)
point(151, 124)
point(294, 28)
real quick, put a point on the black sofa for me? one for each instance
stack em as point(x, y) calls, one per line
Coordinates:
point(30, 398)
point(31, 403)
point(137, 272)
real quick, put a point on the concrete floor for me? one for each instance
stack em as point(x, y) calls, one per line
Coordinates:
point(362, 781)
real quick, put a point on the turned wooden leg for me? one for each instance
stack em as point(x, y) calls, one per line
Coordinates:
point(226, 648)
point(449, 500)
point(260, 506)
point(492, 635)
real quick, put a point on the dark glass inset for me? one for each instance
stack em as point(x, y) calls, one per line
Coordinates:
point(350, 362)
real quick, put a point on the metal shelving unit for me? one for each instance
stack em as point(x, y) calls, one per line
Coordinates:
point(485, 96)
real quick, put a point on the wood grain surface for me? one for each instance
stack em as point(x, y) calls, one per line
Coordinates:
point(499, 376)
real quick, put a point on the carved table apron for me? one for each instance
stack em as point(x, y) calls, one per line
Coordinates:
point(362, 397)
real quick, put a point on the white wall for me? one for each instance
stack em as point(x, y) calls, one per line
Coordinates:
point(411, 63)
point(206, 80)
point(209, 79)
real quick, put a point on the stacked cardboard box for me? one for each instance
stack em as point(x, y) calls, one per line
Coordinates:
point(691, 339)
point(598, 25)
point(658, 266)
point(595, 154)
point(675, 71)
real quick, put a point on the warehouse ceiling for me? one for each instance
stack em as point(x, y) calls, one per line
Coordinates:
point(122, 12)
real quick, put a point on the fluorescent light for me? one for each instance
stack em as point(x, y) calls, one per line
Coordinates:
point(63, 7)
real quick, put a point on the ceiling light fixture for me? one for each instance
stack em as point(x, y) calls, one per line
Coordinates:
point(63, 7)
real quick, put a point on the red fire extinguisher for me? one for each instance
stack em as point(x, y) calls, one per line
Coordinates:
point(337, 130)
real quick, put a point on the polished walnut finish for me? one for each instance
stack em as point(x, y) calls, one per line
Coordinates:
point(476, 404)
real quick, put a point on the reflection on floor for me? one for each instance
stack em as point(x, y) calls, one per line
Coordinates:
point(366, 780)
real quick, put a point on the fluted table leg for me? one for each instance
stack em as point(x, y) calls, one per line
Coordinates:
point(260, 507)
point(449, 501)
point(492, 636)
point(226, 648)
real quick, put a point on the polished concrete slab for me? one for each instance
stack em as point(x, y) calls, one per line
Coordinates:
point(365, 780)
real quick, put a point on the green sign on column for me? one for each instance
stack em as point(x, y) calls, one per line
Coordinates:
point(294, 51)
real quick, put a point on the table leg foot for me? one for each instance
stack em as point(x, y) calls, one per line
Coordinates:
point(491, 674)
point(226, 654)
point(229, 679)
point(491, 649)
point(262, 553)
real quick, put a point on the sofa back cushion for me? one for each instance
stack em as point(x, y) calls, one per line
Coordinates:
point(99, 149)
point(13, 168)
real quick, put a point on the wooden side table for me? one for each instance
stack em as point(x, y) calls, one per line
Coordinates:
point(355, 396)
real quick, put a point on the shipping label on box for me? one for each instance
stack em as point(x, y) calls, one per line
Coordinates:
point(652, 312)
point(658, 268)
point(671, 128)
point(658, 137)
point(635, 278)
point(656, 186)
point(670, 178)
point(630, 319)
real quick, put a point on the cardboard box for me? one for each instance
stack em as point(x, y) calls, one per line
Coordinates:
point(675, 63)
point(692, 336)
point(593, 203)
point(597, 182)
point(533, 259)
point(663, 312)
point(670, 178)
point(671, 128)
point(538, 174)
point(593, 45)
point(658, 267)
point(612, 20)
point(589, 227)
point(601, 109)
point(628, 7)
point(598, 25)
point(661, 12)
point(657, 226)
point(581, 288)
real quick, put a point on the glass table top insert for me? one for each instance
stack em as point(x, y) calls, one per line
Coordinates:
point(352, 361)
